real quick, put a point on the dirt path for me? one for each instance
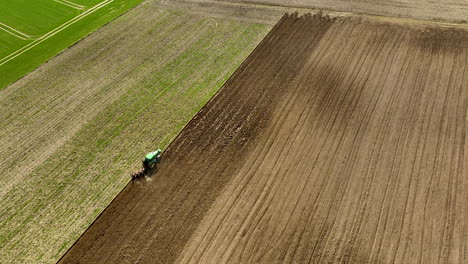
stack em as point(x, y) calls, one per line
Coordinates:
point(442, 10)
point(337, 141)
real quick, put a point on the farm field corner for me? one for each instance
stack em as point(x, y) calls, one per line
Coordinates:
point(338, 140)
point(41, 29)
point(90, 113)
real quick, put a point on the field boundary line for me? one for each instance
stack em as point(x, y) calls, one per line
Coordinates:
point(15, 32)
point(54, 32)
point(70, 4)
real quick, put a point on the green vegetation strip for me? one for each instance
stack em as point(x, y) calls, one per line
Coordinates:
point(33, 58)
point(185, 59)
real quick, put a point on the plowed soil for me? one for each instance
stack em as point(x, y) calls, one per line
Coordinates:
point(336, 141)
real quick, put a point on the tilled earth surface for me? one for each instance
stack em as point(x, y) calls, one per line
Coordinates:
point(337, 141)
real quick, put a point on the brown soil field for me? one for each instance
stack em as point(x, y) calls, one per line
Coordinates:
point(336, 141)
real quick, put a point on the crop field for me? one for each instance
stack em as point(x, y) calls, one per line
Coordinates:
point(33, 31)
point(73, 130)
point(337, 141)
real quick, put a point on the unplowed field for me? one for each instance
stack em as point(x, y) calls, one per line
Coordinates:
point(336, 141)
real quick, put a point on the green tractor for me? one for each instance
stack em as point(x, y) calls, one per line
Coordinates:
point(149, 163)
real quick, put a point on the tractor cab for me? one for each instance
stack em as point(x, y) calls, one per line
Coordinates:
point(151, 159)
point(149, 162)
